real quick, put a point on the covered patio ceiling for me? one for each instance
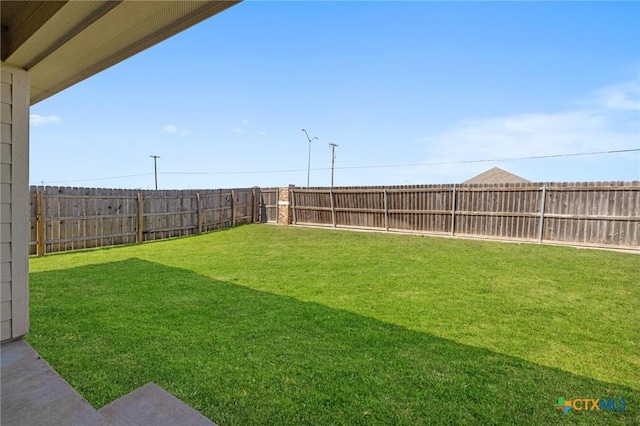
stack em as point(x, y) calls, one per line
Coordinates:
point(63, 42)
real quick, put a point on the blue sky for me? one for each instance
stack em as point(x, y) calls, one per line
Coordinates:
point(392, 83)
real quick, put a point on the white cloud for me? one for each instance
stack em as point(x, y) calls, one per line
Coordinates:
point(527, 135)
point(245, 122)
point(170, 128)
point(237, 130)
point(41, 120)
point(624, 96)
point(262, 133)
point(610, 126)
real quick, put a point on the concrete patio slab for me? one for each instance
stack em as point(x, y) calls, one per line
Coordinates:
point(152, 405)
point(32, 393)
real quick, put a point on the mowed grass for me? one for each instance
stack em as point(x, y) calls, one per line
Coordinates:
point(265, 325)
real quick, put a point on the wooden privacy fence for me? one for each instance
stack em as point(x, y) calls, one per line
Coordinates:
point(269, 205)
point(593, 213)
point(77, 218)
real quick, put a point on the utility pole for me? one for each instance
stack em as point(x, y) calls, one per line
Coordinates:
point(155, 168)
point(333, 159)
point(309, 162)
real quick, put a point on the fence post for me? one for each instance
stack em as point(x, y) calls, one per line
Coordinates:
point(333, 208)
point(386, 210)
point(139, 229)
point(199, 212)
point(254, 211)
point(233, 208)
point(40, 228)
point(542, 207)
point(453, 211)
point(293, 206)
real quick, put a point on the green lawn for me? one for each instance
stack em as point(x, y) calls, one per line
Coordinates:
point(266, 325)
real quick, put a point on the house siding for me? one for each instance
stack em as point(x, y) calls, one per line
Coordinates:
point(14, 189)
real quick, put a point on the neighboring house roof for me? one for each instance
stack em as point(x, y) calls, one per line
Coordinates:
point(496, 175)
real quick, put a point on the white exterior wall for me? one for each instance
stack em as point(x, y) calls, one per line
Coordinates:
point(14, 198)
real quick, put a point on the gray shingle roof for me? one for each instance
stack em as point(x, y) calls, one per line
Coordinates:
point(495, 175)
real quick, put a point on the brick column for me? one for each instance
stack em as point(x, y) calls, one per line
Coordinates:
point(284, 207)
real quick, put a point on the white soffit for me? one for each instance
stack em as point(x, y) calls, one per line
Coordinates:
point(83, 38)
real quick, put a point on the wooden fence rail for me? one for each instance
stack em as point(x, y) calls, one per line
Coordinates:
point(65, 218)
point(591, 213)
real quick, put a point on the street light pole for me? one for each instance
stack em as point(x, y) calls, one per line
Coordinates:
point(309, 162)
point(155, 168)
point(333, 159)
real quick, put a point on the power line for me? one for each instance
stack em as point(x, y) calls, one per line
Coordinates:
point(240, 173)
point(95, 179)
point(537, 157)
point(435, 163)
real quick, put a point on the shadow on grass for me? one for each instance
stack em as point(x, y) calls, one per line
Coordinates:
point(243, 357)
